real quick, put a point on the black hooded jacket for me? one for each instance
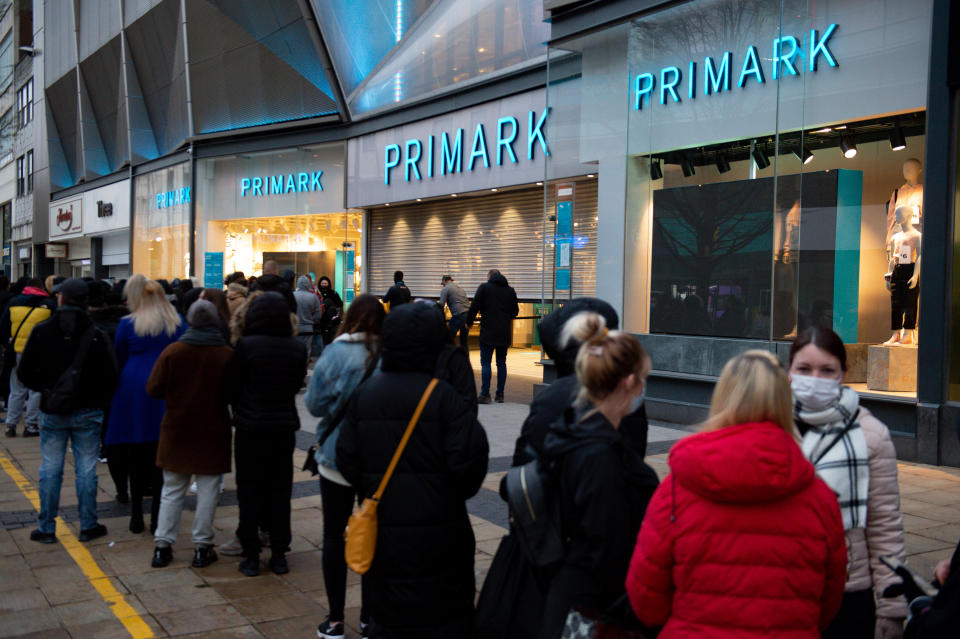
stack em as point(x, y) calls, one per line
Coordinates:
point(276, 284)
point(496, 301)
point(267, 369)
point(548, 406)
point(422, 577)
point(604, 488)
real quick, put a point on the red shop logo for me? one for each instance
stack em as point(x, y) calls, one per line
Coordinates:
point(65, 218)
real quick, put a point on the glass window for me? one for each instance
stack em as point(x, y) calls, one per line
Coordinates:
point(161, 223)
point(21, 182)
point(29, 170)
point(25, 103)
point(6, 61)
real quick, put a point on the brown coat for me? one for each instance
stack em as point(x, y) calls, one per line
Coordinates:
point(195, 431)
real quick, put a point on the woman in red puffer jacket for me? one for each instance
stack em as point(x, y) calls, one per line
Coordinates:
point(741, 539)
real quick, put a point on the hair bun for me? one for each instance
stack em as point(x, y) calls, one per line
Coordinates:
point(585, 327)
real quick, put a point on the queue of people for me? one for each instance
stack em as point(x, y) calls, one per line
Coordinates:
point(771, 522)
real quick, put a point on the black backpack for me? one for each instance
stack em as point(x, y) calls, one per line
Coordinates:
point(61, 399)
point(533, 498)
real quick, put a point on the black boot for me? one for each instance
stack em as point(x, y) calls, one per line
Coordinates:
point(278, 564)
point(203, 556)
point(162, 556)
point(250, 566)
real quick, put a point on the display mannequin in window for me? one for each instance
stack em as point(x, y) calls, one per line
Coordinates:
point(910, 194)
point(904, 278)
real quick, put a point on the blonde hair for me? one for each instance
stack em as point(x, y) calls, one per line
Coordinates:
point(605, 357)
point(753, 387)
point(133, 289)
point(154, 313)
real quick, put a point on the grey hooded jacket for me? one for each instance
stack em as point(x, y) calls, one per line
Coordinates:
point(308, 306)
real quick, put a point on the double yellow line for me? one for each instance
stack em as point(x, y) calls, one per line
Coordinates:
point(122, 610)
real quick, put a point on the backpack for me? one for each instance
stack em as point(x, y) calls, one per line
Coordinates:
point(533, 498)
point(60, 399)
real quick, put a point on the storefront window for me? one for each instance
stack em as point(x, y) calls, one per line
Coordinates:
point(161, 223)
point(285, 206)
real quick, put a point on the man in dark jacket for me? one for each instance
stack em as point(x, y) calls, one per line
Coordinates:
point(398, 294)
point(271, 281)
point(25, 311)
point(422, 581)
point(496, 301)
point(263, 376)
point(52, 349)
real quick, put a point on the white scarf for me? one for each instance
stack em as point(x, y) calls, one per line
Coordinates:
point(839, 453)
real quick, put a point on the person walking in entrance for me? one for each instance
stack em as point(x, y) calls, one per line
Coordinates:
point(496, 301)
point(308, 312)
point(71, 412)
point(455, 299)
point(398, 293)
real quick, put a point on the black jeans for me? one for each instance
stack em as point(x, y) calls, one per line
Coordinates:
point(903, 299)
point(264, 465)
point(145, 478)
point(458, 326)
point(856, 619)
point(338, 503)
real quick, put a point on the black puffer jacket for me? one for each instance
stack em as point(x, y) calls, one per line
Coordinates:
point(604, 490)
point(422, 577)
point(51, 348)
point(276, 284)
point(267, 369)
point(496, 301)
point(548, 406)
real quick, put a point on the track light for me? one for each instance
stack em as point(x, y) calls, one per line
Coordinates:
point(804, 154)
point(848, 147)
point(760, 158)
point(897, 141)
point(655, 172)
point(722, 164)
point(687, 166)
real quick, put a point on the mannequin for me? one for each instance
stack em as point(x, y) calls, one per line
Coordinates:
point(910, 194)
point(904, 278)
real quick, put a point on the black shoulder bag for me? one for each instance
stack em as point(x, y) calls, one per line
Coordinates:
point(61, 398)
point(9, 354)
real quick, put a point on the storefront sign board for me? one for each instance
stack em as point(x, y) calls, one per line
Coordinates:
point(213, 270)
point(66, 218)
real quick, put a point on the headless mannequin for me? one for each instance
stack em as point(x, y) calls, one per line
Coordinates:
point(904, 278)
point(910, 194)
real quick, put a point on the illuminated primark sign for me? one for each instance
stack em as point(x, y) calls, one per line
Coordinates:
point(176, 197)
point(788, 58)
point(281, 184)
point(455, 152)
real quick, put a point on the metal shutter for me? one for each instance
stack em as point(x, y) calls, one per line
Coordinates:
point(466, 236)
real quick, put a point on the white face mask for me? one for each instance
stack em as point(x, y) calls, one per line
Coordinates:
point(815, 393)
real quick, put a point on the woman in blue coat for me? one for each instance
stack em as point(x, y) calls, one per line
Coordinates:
point(134, 426)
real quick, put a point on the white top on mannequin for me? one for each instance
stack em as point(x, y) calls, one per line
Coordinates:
point(905, 245)
point(909, 195)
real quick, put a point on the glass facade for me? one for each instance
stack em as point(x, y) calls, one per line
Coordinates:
point(771, 153)
point(161, 223)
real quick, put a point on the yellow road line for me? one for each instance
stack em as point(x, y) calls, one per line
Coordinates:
point(122, 610)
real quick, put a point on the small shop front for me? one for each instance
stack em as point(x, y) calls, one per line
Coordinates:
point(761, 171)
point(90, 233)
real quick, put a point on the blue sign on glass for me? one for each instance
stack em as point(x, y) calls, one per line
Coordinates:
point(213, 270)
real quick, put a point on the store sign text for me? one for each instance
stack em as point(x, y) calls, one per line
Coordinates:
point(787, 56)
point(281, 184)
point(419, 159)
point(173, 198)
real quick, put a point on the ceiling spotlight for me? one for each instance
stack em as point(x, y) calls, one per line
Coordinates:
point(494, 190)
point(897, 141)
point(722, 164)
point(804, 154)
point(453, 195)
point(848, 146)
point(539, 183)
point(825, 129)
point(590, 175)
point(760, 158)
point(655, 172)
point(687, 166)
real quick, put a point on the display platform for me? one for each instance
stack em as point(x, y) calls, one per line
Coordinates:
point(892, 368)
point(856, 363)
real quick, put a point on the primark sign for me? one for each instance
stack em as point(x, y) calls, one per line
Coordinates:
point(788, 56)
point(506, 142)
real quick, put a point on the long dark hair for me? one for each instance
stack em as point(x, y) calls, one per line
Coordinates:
point(821, 337)
point(365, 315)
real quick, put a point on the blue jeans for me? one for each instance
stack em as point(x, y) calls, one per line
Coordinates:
point(82, 428)
point(486, 354)
point(458, 324)
point(20, 397)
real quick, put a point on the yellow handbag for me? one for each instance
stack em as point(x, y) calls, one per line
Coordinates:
point(361, 534)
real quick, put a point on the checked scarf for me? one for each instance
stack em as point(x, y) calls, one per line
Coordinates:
point(834, 443)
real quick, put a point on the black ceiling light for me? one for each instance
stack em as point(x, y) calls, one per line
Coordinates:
point(686, 165)
point(722, 164)
point(804, 154)
point(848, 147)
point(655, 172)
point(897, 141)
point(760, 158)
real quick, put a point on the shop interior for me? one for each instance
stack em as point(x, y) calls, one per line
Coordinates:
point(316, 244)
point(834, 250)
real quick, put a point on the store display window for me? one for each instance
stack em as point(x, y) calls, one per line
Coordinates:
point(161, 223)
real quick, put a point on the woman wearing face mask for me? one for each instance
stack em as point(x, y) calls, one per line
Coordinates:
point(604, 484)
point(852, 452)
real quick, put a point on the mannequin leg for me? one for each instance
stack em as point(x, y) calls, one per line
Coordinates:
point(897, 284)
